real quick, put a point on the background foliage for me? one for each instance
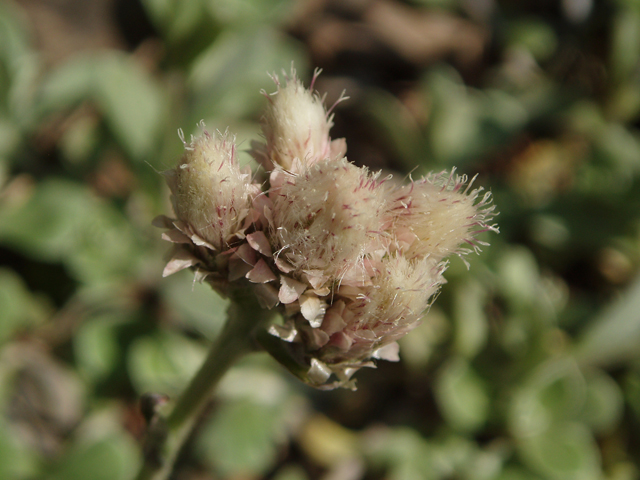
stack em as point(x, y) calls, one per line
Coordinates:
point(528, 365)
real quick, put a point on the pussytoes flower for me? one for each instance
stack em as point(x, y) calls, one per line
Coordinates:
point(327, 218)
point(436, 214)
point(351, 261)
point(212, 200)
point(296, 127)
point(210, 192)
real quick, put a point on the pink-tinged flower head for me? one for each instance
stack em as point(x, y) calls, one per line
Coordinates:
point(296, 128)
point(327, 218)
point(351, 261)
point(211, 195)
point(363, 323)
point(437, 214)
point(383, 312)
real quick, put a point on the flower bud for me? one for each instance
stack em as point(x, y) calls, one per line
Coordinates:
point(435, 215)
point(211, 195)
point(296, 127)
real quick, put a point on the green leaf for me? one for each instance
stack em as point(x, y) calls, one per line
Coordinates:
point(241, 439)
point(291, 472)
point(417, 349)
point(534, 35)
point(14, 41)
point(20, 309)
point(462, 396)
point(17, 462)
point(565, 451)
point(176, 18)
point(18, 65)
point(112, 458)
point(516, 473)
point(470, 320)
point(96, 346)
point(398, 125)
point(402, 453)
point(625, 45)
point(67, 86)
point(64, 222)
point(453, 125)
point(227, 77)
point(250, 11)
point(519, 277)
point(613, 336)
point(163, 363)
point(604, 403)
point(132, 103)
point(556, 391)
point(197, 305)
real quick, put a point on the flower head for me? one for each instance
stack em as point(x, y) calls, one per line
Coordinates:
point(210, 192)
point(437, 214)
point(328, 217)
point(296, 128)
point(384, 311)
point(352, 261)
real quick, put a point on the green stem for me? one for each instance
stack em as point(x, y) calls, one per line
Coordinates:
point(235, 341)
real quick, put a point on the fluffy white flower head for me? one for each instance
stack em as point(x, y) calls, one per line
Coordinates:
point(385, 311)
point(296, 127)
point(210, 192)
point(328, 217)
point(437, 214)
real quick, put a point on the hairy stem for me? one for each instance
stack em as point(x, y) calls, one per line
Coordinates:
point(167, 435)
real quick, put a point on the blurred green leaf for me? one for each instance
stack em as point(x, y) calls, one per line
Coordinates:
point(453, 126)
point(17, 461)
point(255, 382)
point(241, 438)
point(515, 473)
point(402, 453)
point(604, 403)
point(536, 35)
point(163, 363)
point(96, 346)
point(80, 140)
point(197, 304)
point(519, 278)
point(227, 78)
point(111, 458)
point(132, 103)
point(20, 308)
point(555, 391)
point(398, 124)
point(9, 140)
point(14, 50)
point(465, 123)
point(625, 47)
point(14, 40)
point(471, 323)
point(291, 472)
point(63, 221)
point(238, 12)
point(566, 451)
point(462, 396)
point(613, 336)
point(418, 347)
point(68, 85)
point(176, 19)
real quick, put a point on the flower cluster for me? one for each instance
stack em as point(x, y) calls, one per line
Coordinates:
point(352, 260)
